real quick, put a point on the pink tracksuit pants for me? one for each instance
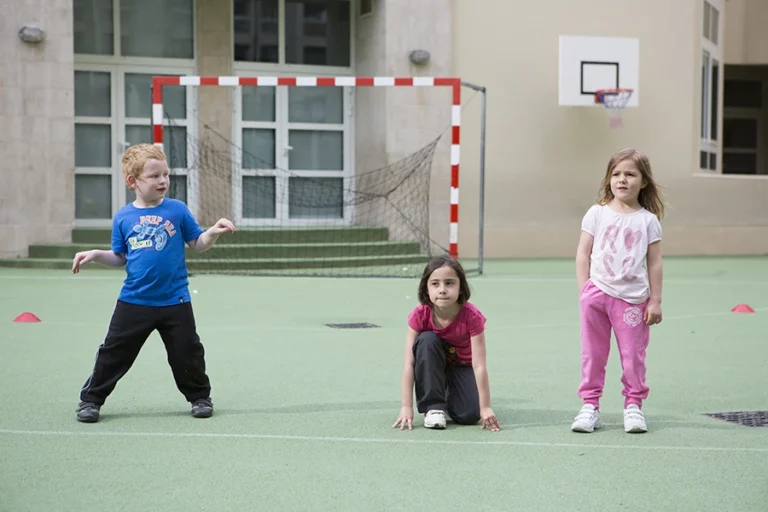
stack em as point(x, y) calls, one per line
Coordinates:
point(599, 313)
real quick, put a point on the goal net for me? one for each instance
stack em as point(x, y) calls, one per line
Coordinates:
point(315, 212)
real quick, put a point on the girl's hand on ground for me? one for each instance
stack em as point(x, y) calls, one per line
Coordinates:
point(405, 418)
point(489, 419)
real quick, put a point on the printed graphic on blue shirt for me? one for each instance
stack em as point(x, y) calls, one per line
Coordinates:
point(151, 231)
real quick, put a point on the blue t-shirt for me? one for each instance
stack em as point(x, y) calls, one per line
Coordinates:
point(152, 240)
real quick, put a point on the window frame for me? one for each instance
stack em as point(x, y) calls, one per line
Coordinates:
point(711, 52)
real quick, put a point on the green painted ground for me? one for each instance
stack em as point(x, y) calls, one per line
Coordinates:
point(303, 412)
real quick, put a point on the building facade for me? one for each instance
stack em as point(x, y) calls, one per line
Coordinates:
point(71, 104)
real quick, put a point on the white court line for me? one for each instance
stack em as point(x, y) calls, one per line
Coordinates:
point(331, 439)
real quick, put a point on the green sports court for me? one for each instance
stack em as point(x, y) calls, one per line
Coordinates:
point(303, 410)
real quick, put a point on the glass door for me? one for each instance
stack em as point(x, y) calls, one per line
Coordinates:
point(95, 138)
point(294, 155)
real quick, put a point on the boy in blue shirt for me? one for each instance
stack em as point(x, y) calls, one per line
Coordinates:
point(148, 236)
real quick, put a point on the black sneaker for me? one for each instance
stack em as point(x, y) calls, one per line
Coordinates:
point(202, 408)
point(88, 412)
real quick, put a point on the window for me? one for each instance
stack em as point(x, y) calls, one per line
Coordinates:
point(711, 70)
point(93, 144)
point(711, 25)
point(149, 28)
point(743, 93)
point(119, 46)
point(366, 7)
point(742, 116)
point(740, 145)
point(294, 155)
point(146, 28)
point(310, 32)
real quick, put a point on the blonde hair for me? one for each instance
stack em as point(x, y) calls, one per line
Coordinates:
point(650, 196)
point(136, 156)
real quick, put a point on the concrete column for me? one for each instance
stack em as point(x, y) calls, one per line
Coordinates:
point(214, 40)
point(37, 136)
point(393, 123)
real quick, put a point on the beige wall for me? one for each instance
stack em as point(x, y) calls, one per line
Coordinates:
point(746, 39)
point(545, 162)
point(37, 146)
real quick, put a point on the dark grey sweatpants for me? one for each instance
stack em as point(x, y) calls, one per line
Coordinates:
point(441, 384)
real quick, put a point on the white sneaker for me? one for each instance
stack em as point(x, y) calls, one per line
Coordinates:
point(634, 420)
point(434, 419)
point(587, 420)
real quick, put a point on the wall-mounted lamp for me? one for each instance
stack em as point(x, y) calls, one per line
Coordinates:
point(31, 34)
point(419, 57)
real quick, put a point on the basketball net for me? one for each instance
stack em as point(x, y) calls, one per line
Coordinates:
point(614, 101)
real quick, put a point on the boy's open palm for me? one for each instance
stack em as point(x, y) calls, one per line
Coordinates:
point(82, 258)
point(223, 226)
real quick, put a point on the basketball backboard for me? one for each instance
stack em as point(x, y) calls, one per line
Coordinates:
point(588, 64)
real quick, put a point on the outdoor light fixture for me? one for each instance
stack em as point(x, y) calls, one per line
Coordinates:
point(31, 34)
point(419, 57)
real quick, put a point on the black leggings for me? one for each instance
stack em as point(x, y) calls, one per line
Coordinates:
point(129, 328)
point(441, 385)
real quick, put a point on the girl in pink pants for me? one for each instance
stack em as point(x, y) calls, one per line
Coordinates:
point(619, 270)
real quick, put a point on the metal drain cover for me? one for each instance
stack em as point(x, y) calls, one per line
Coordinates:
point(362, 325)
point(745, 418)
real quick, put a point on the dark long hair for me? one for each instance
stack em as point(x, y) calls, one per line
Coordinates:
point(439, 262)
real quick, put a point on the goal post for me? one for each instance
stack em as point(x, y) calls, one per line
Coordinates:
point(454, 84)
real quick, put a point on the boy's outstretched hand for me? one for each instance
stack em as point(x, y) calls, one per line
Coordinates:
point(405, 418)
point(489, 419)
point(82, 258)
point(222, 226)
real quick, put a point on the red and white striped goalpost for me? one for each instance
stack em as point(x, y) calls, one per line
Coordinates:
point(158, 82)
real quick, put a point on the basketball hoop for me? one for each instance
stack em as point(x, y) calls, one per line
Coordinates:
point(614, 100)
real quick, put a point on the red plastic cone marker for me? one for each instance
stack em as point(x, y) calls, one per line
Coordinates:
point(742, 308)
point(27, 318)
